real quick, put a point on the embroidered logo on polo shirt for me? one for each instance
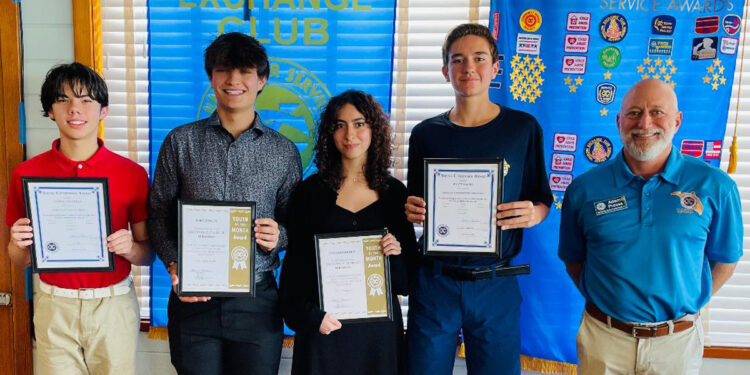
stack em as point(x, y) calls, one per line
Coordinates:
point(609, 206)
point(506, 168)
point(690, 202)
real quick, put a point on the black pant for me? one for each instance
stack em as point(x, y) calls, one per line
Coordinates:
point(233, 336)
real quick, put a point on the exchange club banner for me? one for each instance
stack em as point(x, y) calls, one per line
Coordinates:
point(569, 63)
point(316, 48)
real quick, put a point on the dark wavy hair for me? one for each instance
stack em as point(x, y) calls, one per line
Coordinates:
point(328, 157)
point(463, 30)
point(79, 78)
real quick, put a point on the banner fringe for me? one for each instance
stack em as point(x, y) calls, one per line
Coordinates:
point(288, 342)
point(546, 366)
point(158, 333)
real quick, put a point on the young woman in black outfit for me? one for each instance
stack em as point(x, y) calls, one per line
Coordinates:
point(352, 191)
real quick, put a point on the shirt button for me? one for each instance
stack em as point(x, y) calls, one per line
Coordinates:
point(354, 222)
point(648, 193)
point(80, 166)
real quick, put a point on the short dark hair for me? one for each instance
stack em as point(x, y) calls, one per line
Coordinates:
point(236, 50)
point(78, 77)
point(328, 157)
point(465, 29)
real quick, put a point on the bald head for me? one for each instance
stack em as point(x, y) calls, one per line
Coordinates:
point(650, 89)
point(648, 120)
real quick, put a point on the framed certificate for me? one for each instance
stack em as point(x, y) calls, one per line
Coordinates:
point(354, 281)
point(216, 248)
point(70, 221)
point(462, 197)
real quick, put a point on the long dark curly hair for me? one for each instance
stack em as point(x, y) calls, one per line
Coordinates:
point(328, 157)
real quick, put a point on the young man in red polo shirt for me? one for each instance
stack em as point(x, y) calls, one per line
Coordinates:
point(85, 322)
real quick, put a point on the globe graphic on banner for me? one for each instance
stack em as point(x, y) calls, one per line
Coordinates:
point(288, 108)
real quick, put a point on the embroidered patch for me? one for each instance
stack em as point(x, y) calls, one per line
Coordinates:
point(609, 206)
point(689, 202)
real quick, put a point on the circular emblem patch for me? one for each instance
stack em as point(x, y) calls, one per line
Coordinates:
point(598, 149)
point(239, 254)
point(290, 103)
point(601, 206)
point(530, 20)
point(613, 28)
point(375, 281)
point(609, 57)
point(51, 247)
point(442, 230)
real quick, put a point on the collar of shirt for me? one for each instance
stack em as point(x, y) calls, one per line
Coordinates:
point(66, 164)
point(257, 128)
point(670, 173)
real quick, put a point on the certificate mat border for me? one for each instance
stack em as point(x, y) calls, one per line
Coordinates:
point(26, 181)
point(497, 253)
point(386, 265)
point(251, 267)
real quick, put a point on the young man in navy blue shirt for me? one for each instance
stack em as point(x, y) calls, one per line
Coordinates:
point(440, 304)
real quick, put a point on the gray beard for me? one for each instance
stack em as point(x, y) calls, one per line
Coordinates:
point(648, 153)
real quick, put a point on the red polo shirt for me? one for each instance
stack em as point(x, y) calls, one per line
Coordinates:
point(128, 194)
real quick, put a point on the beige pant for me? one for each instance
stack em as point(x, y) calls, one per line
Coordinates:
point(78, 336)
point(603, 350)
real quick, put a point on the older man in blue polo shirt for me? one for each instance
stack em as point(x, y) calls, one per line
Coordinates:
point(648, 237)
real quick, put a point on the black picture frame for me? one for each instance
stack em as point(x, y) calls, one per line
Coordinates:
point(250, 292)
point(39, 246)
point(499, 191)
point(387, 270)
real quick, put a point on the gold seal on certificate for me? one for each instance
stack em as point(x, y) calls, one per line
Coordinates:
point(461, 198)
point(70, 223)
point(353, 276)
point(216, 248)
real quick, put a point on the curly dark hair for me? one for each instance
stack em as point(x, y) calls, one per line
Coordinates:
point(328, 157)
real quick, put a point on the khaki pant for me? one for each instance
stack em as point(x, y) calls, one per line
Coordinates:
point(80, 336)
point(604, 350)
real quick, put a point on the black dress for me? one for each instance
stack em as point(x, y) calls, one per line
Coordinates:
point(360, 348)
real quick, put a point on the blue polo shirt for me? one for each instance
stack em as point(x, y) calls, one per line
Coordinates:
point(646, 245)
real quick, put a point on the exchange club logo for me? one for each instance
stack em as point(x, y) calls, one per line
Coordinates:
point(290, 104)
point(530, 20)
point(689, 202)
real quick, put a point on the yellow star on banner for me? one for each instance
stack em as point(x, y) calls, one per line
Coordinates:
point(603, 112)
point(567, 80)
point(723, 80)
point(721, 70)
point(710, 69)
point(558, 205)
point(706, 79)
point(537, 60)
point(714, 86)
point(656, 76)
point(526, 59)
point(640, 68)
point(532, 99)
point(717, 62)
point(657, 69)
point(607, 75)
point(539, 80)
point(644, 76)
point(542, 67)
point(669, 61)
point(657, 62)
point(663, 70)
point(646, 61)
point(579, 81)
point(516, 58)
point(672, 84)
point(572, 88)
point(651, 69)
point(715, 77)
point(667, 77)
point(673, 69)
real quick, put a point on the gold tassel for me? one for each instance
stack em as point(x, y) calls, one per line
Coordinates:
point(288, 342)
point(732, 168)
point(158, 333)
point(462, 351)
point(546, 366)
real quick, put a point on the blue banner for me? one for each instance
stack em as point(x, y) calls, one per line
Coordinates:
point(570, 64)
point(316, 48)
